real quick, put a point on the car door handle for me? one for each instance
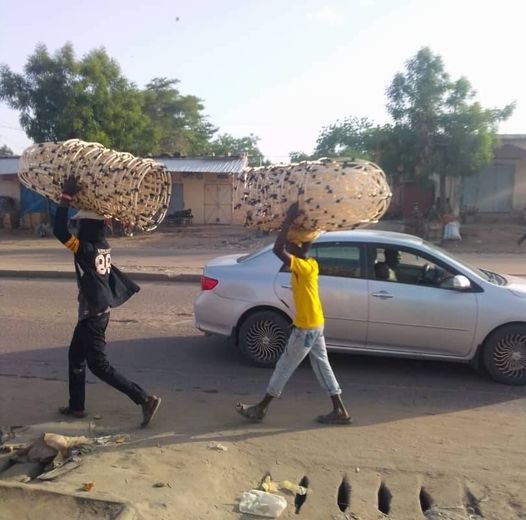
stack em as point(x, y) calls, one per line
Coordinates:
point(383, 295)
point(286, 286)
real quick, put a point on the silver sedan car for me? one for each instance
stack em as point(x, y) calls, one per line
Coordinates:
point(382, 293)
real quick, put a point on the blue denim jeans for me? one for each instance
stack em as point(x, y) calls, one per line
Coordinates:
point(301, 343)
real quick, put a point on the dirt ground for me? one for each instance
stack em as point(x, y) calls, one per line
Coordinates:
point(492, 236)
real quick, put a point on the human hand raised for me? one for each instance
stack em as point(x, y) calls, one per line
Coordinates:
point(70, 186)
point(292, 212)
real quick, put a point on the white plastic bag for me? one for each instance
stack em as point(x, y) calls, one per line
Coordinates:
point(255, 502)
point(452, 231)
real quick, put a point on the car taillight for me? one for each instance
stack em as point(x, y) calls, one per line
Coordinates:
point(208, 283)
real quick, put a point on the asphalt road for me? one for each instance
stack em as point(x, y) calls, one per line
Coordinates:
point(153, 340)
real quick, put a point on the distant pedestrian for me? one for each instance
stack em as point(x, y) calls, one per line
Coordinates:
point(307, 333)
point(101, 286)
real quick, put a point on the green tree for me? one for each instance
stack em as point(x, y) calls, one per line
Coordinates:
point(176, 123)
point(438, 127)
point(5, 151)
point(225, 143)
point(300, 156)
point(60, 97)
point(352, 137)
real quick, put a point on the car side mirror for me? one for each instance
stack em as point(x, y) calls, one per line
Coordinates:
point(461, 283)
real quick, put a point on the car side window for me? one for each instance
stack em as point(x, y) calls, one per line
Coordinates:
point(338, 259)
point(399, 266)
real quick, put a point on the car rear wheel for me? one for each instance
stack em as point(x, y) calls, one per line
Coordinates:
point(504, 355)
point(263, 336)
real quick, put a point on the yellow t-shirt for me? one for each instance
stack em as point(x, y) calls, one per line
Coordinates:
point(304, 281)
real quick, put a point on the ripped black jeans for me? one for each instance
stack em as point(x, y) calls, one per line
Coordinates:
point(88, 346)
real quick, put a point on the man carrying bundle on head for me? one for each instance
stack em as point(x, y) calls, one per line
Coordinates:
point(307, 333)
point(101, 286)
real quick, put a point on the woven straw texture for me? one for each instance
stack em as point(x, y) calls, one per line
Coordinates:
point(114, 184)
point(332, 195)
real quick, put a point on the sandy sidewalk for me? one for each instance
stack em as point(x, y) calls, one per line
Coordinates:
point(187, 250)
point(443, 449)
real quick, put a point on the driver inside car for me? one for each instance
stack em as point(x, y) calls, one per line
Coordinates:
point(392, 259)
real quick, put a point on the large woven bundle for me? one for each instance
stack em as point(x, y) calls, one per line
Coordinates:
point(115, 184)
point(333, 194)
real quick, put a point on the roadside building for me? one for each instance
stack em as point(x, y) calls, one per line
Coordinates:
point(204, 185)
point(9, 185)
point(500, 188)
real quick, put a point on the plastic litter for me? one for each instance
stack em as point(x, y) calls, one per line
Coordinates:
point(88, 486)
point(161, 485)
point(452, 231)
point(68, 466)
point(217, 446)
point(299, 500)
point(256, 502)
point(268, 485)
point(294, 488)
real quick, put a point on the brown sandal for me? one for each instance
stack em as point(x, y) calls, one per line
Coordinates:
point(333, 418)
point(250, 412)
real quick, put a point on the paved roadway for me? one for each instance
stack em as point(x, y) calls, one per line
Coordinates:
point(152, 338)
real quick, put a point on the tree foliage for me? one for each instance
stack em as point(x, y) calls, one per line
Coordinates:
point(60, 97)
point(441, 128)
point(5, 151)
point(437, 126)
point(351, 137)
point(298, 156)
point(225, 144)
point(176, 123)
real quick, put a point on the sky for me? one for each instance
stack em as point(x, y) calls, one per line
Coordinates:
point(280, 69)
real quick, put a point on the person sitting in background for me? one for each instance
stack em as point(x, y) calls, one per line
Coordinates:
point(392, 260)
point(381, 271)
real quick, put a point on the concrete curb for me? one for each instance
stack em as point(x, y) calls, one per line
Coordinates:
point(137, 276)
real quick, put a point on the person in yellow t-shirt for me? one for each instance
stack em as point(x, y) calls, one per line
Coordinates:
point(307, 333)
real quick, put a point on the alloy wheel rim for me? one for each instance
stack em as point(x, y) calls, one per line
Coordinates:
point(510, 355)
point(265, 340)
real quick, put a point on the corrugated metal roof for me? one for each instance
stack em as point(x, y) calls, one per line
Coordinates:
point(219, 165)
point(8, 165)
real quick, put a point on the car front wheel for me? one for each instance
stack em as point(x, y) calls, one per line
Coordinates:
point(504, 355)
point(263, 336)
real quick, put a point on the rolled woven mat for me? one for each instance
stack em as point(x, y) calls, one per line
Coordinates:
point(332, 195)
point(114, 184)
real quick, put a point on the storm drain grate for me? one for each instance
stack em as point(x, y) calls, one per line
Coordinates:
point(344, 495)
point(426, 501)
point(431, 510)
point(299, 500)
point(384, 499)
point(471, 504)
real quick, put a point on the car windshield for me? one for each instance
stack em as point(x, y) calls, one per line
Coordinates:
point(485, 274)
